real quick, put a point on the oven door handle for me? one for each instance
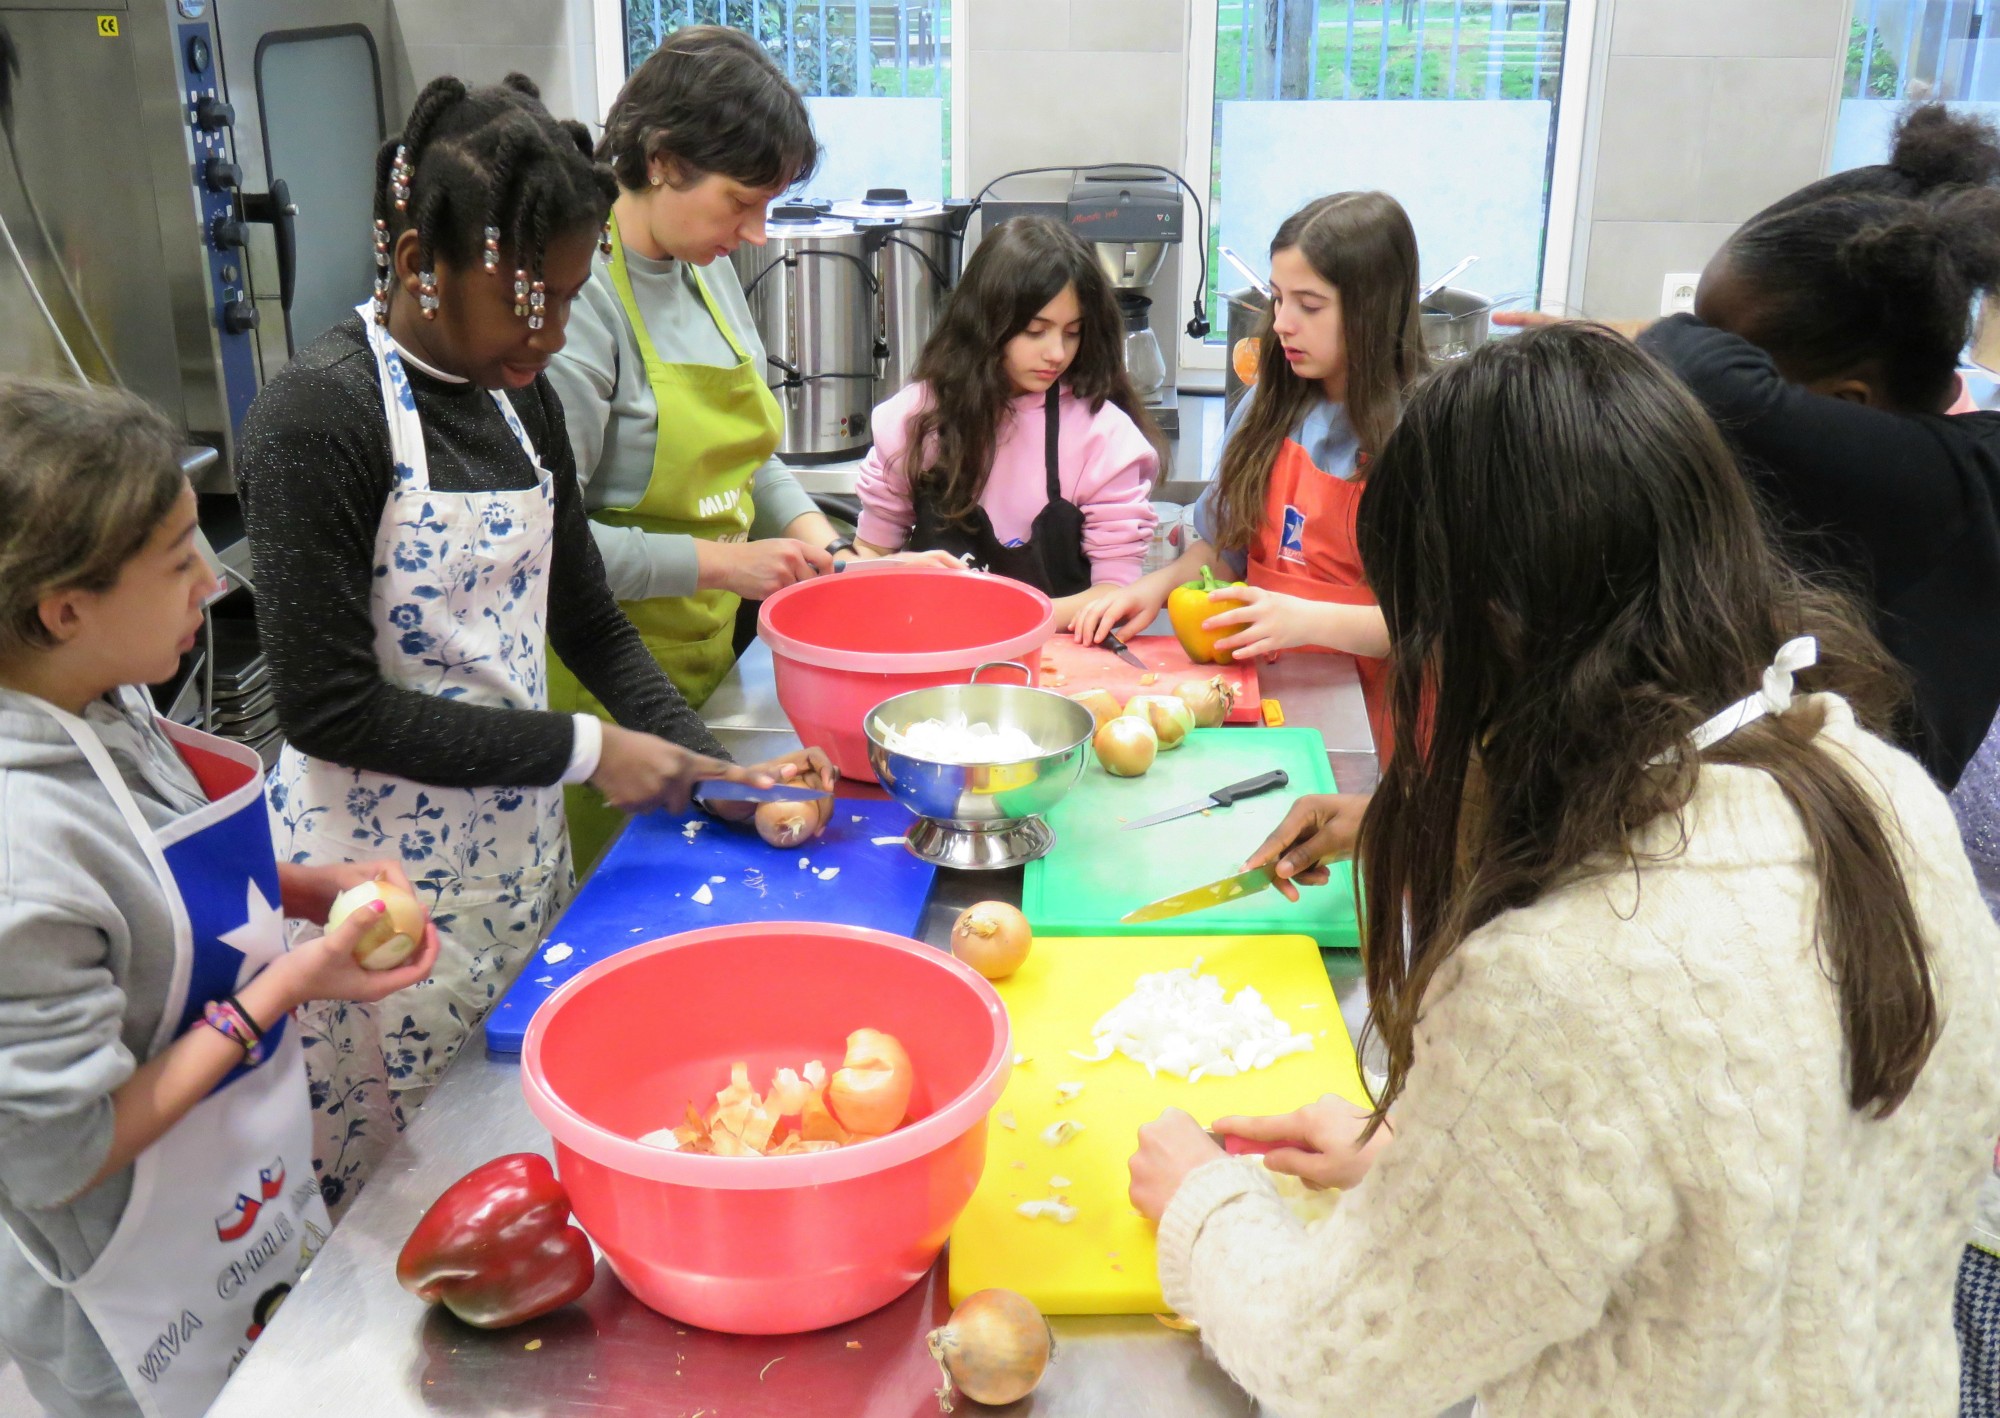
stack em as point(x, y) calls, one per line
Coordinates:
point(277, 208)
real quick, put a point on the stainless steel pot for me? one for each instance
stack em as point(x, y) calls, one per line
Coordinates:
point(1455, 322)
point(915, 267)
point(1247, 313)
point(812, 293)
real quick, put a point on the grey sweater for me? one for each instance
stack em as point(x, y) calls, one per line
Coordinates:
point(86, 955)
point(614, 421)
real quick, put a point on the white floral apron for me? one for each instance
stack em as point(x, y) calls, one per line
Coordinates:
point(460, 600)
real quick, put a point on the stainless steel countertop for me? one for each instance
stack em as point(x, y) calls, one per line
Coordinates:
point(350, 1342)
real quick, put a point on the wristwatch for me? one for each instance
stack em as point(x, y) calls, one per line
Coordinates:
point(839, 545)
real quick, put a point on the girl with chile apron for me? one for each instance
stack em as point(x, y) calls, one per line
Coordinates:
point(1342, 346)
point(155, 1137)
point(1021, 446)
point(663, 380)
point(420, 545)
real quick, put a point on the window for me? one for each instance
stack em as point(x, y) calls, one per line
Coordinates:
point(877, 75)
point(1468, 112)
point(1900, 50)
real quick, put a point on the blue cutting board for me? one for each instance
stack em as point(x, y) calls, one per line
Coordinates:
point(1096, 872)
point(643, 890)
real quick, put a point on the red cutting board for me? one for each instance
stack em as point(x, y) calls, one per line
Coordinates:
point(1094, 667)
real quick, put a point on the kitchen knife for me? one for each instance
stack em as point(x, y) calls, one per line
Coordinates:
point(1230, 888)
point(718, 790)
point(1221, 797)
point(1123, 651)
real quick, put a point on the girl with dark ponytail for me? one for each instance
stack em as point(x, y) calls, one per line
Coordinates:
point(420, 545)
point(1825, 340)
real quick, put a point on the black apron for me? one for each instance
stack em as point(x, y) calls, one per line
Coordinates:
point(1052, 558)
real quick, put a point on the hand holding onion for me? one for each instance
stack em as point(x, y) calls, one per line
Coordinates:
point(994, 1349)
point(789, 824)
point(391, 937)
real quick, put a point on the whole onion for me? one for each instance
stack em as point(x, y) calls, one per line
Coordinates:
point(1209, 700)
point(397, 932)
point(992, 937)
point(1126, 746)
point(994, 1349)
point(1102, 704)
point(1168, 714)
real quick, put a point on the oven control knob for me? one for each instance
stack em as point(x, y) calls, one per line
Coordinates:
point(239, 317)
point(212, 114)
point(229, 235)
point(221, 175)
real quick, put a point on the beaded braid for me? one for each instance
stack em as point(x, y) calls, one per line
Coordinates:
point(478, 168)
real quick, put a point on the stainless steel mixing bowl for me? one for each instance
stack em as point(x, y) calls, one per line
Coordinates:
point(989, 815)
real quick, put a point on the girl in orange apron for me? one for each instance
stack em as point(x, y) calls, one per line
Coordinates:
point(1342, 345)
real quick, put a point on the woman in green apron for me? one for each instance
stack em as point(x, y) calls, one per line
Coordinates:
point(663, 379)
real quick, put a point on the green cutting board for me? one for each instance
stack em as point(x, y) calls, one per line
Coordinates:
point(1097, 871)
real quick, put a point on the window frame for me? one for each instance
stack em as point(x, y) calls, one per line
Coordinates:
point(608, 35)
point(1574, 126)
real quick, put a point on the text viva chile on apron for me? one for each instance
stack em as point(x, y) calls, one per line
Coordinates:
point(1305, 546)
point(225, 1211)
point(1052, 560)
point(716, 428)
point(460, 601)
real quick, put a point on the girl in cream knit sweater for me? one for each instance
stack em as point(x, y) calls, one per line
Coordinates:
point(1693, 1039)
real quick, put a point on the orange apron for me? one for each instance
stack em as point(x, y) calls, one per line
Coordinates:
point(1306, 547)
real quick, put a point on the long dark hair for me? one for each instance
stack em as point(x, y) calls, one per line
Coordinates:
point(1574, 577)
point(1362, 244)
point(1881, 264)
point(1017, 268)
point(709, 99)
point(491, 156)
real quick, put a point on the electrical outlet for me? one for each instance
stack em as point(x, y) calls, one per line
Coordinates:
point(1677, 292)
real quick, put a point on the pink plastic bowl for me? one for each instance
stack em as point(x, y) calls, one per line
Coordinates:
point(764, 1245)
point(843, 644)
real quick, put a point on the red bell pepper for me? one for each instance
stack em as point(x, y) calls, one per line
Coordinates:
point(497, 1247)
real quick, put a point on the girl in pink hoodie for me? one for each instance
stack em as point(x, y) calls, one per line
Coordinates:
point(1021, 444)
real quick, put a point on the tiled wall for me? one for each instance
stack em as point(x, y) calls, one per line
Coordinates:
point(482, 40)
point(1705, 111)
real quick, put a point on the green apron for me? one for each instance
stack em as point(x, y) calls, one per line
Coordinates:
point(717, 427)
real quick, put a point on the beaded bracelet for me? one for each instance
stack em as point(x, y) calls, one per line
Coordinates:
point(228, 1018)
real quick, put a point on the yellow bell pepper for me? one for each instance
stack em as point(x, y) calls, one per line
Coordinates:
point(1193, 602)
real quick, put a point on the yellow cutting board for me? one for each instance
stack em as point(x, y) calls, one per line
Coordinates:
point(1105, 1261)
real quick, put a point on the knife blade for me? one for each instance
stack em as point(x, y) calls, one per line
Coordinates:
point(1221, 797)
point(718, 790)
point(1201, 898)
point(1123, 651)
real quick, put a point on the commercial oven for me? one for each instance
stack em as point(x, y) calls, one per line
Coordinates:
point(188, 183)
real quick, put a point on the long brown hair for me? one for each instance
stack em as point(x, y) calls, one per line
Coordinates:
point(1016, 270)
point(1574, 577)
point(1361, 244)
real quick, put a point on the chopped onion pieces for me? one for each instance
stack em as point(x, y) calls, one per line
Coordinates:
point(1183, 1023)
point(954, 740)
point(1054, 1208)
point(1056, 1134)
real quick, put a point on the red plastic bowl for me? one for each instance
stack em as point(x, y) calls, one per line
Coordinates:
point(764, 1245)
point(843, 644)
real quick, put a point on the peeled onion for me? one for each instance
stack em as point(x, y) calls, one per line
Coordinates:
point(1126, 746)
point(1102, 704)
point(1209, 700)
point(397, 932)
point(789, 824)
point(870, 1092)
point(1169, 715)
point(994, 1349)
point(992, 937)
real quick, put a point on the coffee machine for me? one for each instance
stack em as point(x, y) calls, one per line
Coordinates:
point(1129, 218)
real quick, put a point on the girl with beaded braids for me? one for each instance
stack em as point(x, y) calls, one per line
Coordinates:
point(420, 546)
